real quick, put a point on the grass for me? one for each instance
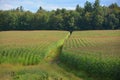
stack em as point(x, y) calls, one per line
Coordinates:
point(30, 55)
point(95, 52)
point(43, 71)
point(35, 55)
point(29, 47)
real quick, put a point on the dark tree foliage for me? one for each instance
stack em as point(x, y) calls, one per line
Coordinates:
point(90, 17)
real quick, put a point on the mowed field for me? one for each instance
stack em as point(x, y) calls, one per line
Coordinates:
point(95, 52)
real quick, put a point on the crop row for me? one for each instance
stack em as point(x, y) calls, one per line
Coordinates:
point(29, 48)
point(96, 55)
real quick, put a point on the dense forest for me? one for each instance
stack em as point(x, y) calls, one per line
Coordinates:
point(92, 16)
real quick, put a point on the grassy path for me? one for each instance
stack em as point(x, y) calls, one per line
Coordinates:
point(16, 72)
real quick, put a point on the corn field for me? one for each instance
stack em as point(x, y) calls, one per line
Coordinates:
point(28, 47)
point(95, 52)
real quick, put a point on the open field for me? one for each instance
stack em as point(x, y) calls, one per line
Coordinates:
point(29, 47)
point(95, 52)
point(56, 55)
point(29, 55)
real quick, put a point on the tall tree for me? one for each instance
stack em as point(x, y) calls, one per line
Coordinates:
point(97, 19)
point(79, 9)
point(112, 21)
point(88, 7)
point(56, 22)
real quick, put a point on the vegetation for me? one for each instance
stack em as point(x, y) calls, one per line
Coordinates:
point(29, 55)
point(43, 71)
point(91, 55)
point(29, 47)
point(90, 17)
point(95, 52)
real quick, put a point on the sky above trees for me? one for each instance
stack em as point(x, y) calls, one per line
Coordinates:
point(33, 5)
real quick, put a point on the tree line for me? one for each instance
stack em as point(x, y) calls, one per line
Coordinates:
point(90, 17)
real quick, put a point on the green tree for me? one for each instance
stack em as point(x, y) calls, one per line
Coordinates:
point(56, 22)
point(112, 21)
point(91, 16)
point(87, 21)
point(97, 16)
point(79, 9)
point(115, 9)
point(8, 20)
point(40, 21)
point(88, 7)
point(87, 16)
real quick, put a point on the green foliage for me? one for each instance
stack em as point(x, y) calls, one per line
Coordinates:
point(88, 7)
point(31, 75)
point(95, 52)
point(90, 17)
point(29, 48)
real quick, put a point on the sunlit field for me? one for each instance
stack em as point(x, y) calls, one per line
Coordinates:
point(95, 52)
point(57, 55)
point(29, 47)
point(30, 55)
